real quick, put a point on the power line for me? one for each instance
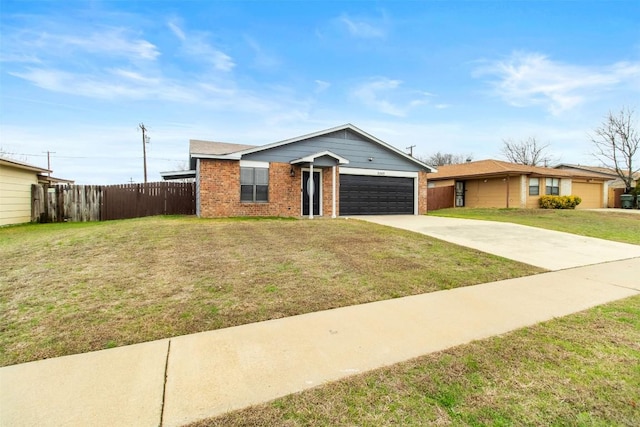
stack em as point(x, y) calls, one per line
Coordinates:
point(96, 157)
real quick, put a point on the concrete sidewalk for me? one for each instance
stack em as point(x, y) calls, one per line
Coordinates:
point(548, 249)
point(179, 380)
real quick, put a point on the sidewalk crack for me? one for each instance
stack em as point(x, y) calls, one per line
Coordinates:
point(164, 387)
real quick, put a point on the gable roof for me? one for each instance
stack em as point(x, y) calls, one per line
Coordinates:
point(596, 169)
point(21, 165)
point(490, 167)
point(237, 155)
point(312, 157)
point(197, 146)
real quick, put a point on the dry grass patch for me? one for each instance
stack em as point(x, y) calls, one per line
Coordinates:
point(72, 288)
point(580, 370)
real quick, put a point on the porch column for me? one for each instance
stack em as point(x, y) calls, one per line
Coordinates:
point(310, 189)
point(333, 191)
point(198, 213)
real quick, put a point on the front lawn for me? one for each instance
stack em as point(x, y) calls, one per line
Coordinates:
point(579, 370)
point(617, 226)
point(75, 287)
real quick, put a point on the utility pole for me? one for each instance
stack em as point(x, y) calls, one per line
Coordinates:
point(145, 140)
point(49, 153)
point(410, 148)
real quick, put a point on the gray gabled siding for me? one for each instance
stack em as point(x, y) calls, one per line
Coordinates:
point(344, 143)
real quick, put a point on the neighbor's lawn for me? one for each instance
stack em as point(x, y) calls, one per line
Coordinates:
point(617, 226)
point(580, 370)
point(75, 287)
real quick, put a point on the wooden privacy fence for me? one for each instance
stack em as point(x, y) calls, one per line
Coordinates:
point(615, 201)
point(440, 198)
point(105, 202)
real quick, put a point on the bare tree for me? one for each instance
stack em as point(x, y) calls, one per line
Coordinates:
point(442, 159)
point(527, 152)
point(616, 142)
point(183, 165)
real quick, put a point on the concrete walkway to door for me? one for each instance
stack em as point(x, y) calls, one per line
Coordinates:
point(552, 250)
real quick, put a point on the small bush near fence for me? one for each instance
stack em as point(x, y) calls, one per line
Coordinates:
point(559, 202)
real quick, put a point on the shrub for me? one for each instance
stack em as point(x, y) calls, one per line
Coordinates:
point(559, 202)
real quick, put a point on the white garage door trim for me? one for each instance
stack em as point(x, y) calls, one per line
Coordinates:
point(381, 172)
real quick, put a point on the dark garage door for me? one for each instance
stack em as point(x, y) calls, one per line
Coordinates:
point(375, 195)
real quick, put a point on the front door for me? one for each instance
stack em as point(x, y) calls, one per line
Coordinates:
point(312, 186)
point(459, 194)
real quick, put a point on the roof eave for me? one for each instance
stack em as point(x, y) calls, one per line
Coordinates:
point(169, 175)
point(23, 166)
point(311, 158)
point(349, 126)
point(230, 156)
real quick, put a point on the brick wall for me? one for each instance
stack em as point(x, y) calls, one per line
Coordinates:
point(220, 191)
point(422, 193)
point(327, 191)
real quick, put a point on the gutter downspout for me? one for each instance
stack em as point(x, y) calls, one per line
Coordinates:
point(310, 189)
point(198, 187)
point(333, 191)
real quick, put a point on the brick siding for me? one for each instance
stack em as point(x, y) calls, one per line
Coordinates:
point(220, 191)
point(422, 192)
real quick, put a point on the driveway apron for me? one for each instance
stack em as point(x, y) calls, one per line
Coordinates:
point(551, 250)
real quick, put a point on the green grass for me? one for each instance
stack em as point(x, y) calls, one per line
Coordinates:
point(579, 370)
point(616, 226)
point(75, 287)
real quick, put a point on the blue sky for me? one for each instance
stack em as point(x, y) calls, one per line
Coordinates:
point(76, 78)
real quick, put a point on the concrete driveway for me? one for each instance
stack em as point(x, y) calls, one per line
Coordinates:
point(552, 250)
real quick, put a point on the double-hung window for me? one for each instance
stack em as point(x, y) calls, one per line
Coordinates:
point(254, 184)
point(534, 186)
point(553, 187)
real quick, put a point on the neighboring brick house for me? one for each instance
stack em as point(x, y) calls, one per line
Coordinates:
point(335, 172)
point(497, 184)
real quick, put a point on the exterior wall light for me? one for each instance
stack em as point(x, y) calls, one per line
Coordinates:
point(292, 172)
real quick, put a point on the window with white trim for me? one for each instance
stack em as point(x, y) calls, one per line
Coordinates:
point(553, 187)
point(534, 186)
point(254, 184)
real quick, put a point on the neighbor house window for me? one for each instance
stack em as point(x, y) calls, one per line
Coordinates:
point(553, 187)
point(534, 186)
point(254, 184)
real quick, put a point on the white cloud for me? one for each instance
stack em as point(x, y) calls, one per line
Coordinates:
point(321, 86)
point(385, 95)
point(262, 59)
point(136, 77)
point(177, 30)
point(127, 85)
point(109, 41)
point(361, 28)
point(195, 44)
point(526, 79)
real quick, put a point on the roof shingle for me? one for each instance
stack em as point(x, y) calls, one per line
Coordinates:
point(497, 167)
